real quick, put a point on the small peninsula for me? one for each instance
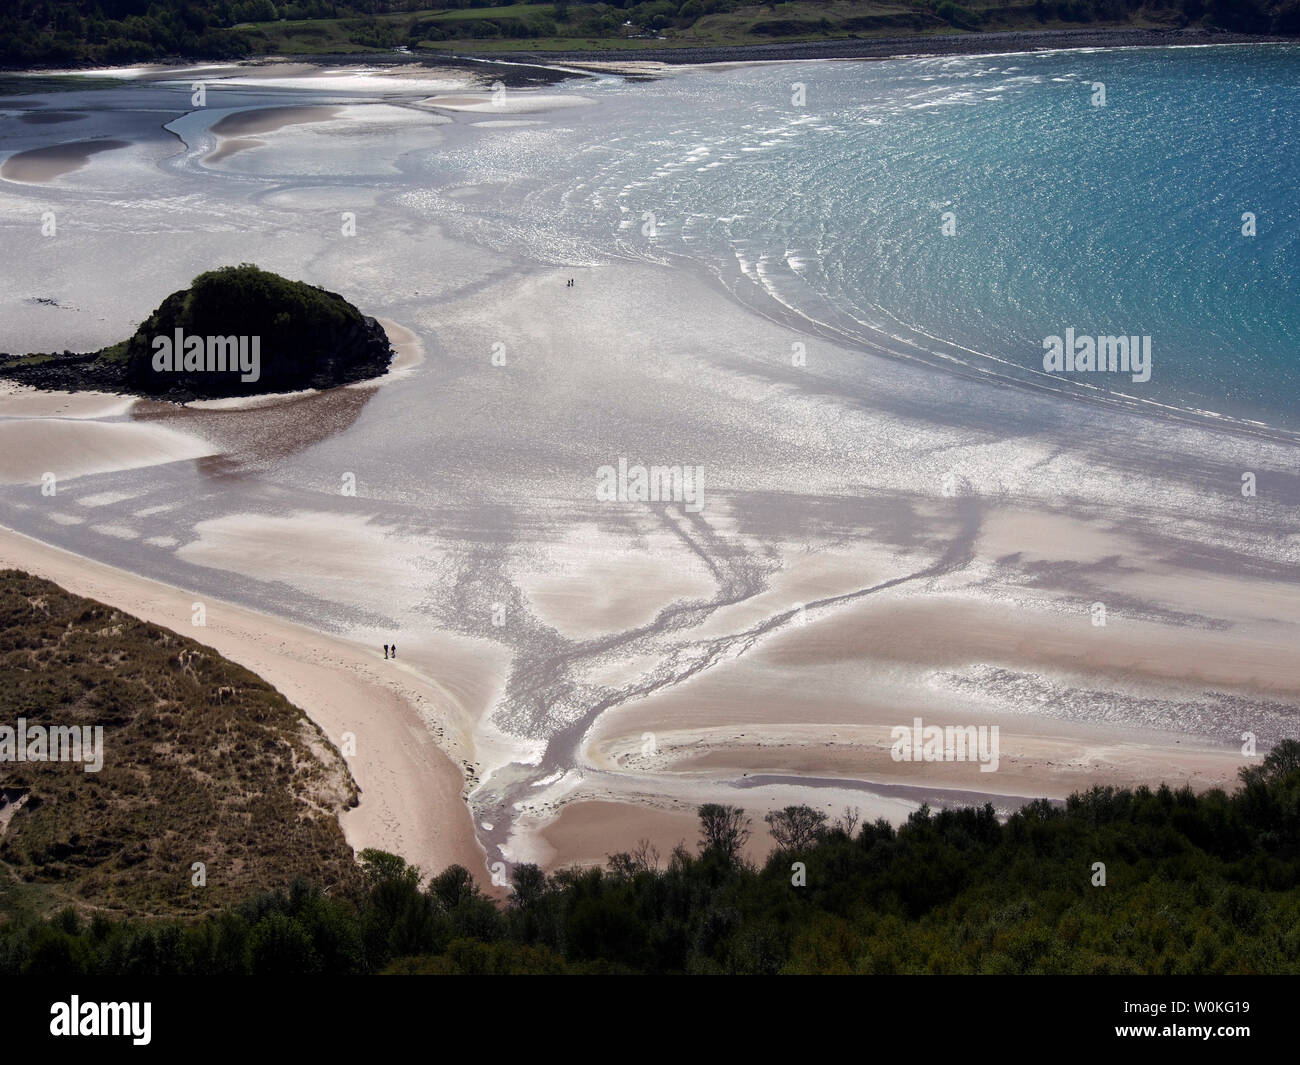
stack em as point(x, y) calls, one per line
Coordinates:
point(236, 331)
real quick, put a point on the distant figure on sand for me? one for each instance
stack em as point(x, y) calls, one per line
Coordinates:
point(394, 650)
point(385, 650)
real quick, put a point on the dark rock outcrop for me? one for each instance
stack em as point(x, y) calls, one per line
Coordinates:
point(235, 331)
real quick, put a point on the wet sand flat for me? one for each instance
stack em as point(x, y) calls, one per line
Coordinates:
point(26, 402)
point(544, 632)
point(507, 102)
point(50, 118)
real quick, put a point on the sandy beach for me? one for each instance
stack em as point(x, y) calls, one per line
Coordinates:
point(411, 792)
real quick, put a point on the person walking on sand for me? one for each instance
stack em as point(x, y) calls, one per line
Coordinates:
point(385, 651)
point(394, 650)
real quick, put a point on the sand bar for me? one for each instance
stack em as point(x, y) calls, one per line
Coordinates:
point(237, 131)
point(32, 448)
point(270, 119)
point(39, 165)
point(508, 102)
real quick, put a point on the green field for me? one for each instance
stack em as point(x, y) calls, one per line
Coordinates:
point(581, 27)
point(512, 11)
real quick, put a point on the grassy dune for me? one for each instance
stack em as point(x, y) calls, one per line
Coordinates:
point(203, 762)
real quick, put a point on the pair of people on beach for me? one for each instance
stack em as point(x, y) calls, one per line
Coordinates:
point(394, 654)
point(569, 283)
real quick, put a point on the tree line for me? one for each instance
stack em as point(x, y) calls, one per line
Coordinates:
point(85, 32)
point(1112, 881)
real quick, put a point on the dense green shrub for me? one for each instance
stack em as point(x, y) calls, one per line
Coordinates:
point(1194, 884)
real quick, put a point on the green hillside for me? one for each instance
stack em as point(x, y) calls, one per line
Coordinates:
point(88, 32)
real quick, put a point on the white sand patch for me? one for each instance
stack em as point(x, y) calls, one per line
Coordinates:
point(105, 499)
point(69, 448)
point(21, 401)
point(336, 198)
point(598, 581)
point(335, 556)
point(351, 79)
point(408, 353)
point(380, 115)
point(274, 399)
point(120, 532)
point(161, 541)
point(511, 102)
point(66, 519)
point(106, 72)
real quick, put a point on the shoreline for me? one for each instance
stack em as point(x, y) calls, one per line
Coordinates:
point(410, 789)
point(512, 65)
point(1002, 42)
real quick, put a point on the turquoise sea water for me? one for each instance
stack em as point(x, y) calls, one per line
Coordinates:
point(1118, 219)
